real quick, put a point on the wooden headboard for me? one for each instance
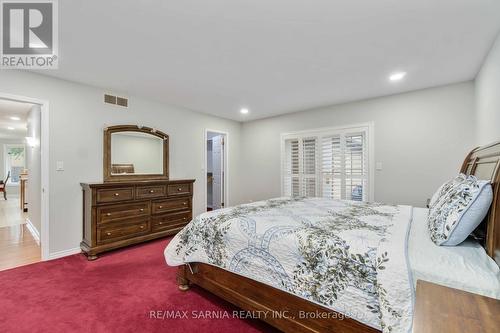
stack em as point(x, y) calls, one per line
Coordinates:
point(484, 163)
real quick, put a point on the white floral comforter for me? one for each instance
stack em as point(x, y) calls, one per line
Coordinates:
point(348, 256)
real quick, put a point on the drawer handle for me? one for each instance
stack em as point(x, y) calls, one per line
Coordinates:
point(152, 191)
point(184, 203)
point(141, 210)
point(160, 207)
point(108, 214)
point(184, 218)
point(179, 189)
point(142, 227)
point(108, 233)
point(160, 223)
point(117, 194)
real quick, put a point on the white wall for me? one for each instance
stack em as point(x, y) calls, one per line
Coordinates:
point(77, 118)
point(421, 138)
point(488, 97)
point(33, 164)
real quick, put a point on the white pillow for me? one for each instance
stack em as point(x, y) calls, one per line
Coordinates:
point(435, 196)
point(458, 207)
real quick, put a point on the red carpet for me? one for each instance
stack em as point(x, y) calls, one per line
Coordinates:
point(115, 293)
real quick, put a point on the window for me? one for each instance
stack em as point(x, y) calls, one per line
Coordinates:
point(330, 163)
point(14, 162)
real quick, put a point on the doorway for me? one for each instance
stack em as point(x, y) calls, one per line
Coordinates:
point(216, 169)
point(23, 228)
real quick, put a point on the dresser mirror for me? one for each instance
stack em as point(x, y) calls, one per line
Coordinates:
point(135, 153)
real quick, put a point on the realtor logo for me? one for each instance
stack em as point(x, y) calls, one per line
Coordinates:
point(29, 34)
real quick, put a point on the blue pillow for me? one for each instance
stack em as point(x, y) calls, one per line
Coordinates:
point(459, 206)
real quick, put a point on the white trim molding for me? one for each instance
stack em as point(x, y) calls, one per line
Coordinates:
point(34, 231)
point(64, 253)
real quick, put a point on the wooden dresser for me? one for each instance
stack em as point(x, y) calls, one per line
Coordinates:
point(118, 214)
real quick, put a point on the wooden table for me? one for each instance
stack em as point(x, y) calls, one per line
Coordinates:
point(441, 309)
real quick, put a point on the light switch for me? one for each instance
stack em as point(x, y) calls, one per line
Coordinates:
point(378, 166)
point(59, 166)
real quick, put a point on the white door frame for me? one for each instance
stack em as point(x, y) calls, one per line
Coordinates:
point(44, 161)
point(226, 166)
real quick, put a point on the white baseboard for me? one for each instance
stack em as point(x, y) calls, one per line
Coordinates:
point(54, 255)
point(64, 253)
point(33, 230)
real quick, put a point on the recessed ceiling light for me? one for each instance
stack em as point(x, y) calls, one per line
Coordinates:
point(10, 128)
point(244, 111)
point(397, 76)
point(15, 118)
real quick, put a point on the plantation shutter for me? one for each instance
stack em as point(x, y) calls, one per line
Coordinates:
point(291, 180)
point(355, 171)
point(309, 176)
point(331, 164)
point(300, 176)
point(331, 167)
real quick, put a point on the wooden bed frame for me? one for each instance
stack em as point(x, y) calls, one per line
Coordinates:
point(285, 309)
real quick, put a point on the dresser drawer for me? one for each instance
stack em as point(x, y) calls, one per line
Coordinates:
point(115, 195)
point(117, 232)
point(170, 221)
point(171, 205)
point(179, 189)
point(113, 213)
point(145, 192)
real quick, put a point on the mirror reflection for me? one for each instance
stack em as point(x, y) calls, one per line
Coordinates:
point(136, 153)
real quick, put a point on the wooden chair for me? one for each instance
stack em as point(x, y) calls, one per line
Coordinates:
point(3, 186)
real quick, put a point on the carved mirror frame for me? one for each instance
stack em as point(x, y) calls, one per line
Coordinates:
point(109, 177)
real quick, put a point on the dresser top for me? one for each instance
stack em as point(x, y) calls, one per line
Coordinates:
point(441, 309)
point(136, 183)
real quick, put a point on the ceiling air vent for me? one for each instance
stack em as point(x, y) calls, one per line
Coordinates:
point(119, 101)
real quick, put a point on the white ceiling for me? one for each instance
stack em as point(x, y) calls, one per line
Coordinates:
point(274, 56)
point(13, 109)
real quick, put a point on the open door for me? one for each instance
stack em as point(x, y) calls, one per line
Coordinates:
point(215, 167)
point(218, 171)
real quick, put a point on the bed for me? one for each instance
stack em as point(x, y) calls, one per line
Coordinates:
point(375, 254)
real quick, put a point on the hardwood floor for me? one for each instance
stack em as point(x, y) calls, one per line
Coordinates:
point(17, 245)
point(10, 212)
